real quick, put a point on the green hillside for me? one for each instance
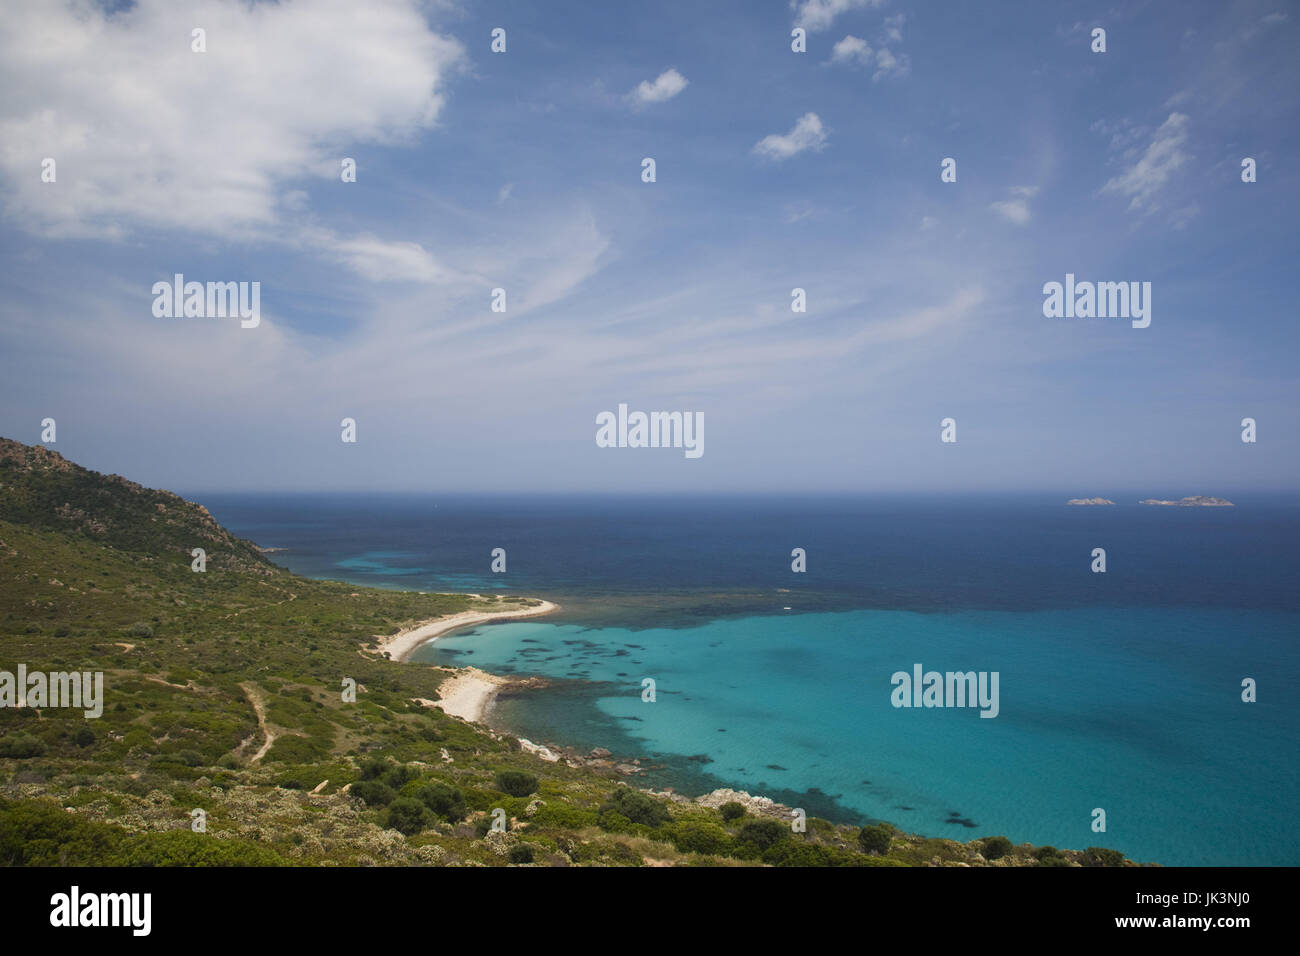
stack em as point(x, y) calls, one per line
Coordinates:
point(95, 575)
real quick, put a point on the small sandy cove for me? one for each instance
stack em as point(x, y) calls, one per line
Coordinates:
point(470, 692)
point(402, 645)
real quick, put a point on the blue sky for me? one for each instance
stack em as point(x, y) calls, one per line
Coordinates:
point(775, 170)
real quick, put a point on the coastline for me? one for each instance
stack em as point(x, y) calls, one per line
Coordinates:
point(400, 646)
point(469, 692)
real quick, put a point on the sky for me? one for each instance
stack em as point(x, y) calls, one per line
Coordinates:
point(774, 170)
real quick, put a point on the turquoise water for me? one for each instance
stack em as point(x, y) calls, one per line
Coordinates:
point(1119, 690)
point(1136, 712)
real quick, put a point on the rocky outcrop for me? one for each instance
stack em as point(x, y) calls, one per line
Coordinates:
point(1090, 501)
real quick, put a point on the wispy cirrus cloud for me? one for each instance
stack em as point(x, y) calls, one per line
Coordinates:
point(1016, 209)
point(1142, 181)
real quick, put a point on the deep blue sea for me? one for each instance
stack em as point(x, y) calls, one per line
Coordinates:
point(1119, 690)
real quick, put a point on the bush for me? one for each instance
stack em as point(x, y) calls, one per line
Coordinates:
point(700, 836)
point(732, 811)
point(636, 807)
point(875, 839)
point(408, 816)
point(140, 629)
point(372, 768)
point(444, 800)
point(21, 745)
point(801, 853)
point(516, 783)
point(523, 853)
point(1100, 856)
point(373, 793)
point(763, 834)
point(84, 737)
point(995, 848)
point(568, 818)
point(399, 776)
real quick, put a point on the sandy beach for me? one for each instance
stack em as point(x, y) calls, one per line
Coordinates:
point(401, 645)
point(469, 694)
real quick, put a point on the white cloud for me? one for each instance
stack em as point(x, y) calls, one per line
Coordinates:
point(887, 64)
point(852, 51)
point(1146, 177)
point(150, 135)
point(667, 85)
point(504, 193)
point(807, 133)
point(894, 28)
point(1016, 209)
point(814, 15)
point(381, 260)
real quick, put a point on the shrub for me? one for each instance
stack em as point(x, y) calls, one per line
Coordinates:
point(732, 811)
point(700, 836)
point(763, 834)
point(1100, 856)
point(21, 745)
point(800, 853)
point(399, 776)
point(516, 783)
point(995, 848)
point(444, 800)
point(569, 818)
point(373, 793)
point(875, 839)
point(140, 629)
point(407, 816)
point(372, 768)
point(84, 737)
point(636, 807)
point(523, 853)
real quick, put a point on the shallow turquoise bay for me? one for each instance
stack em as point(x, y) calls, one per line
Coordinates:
point(1135, 711)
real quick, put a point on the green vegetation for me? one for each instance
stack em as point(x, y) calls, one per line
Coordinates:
point(202, 669)
point(996, 847)
point(732, 811)
point(875, 839)
point(516, 783)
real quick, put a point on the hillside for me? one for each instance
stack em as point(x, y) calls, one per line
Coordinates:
point(222, 693)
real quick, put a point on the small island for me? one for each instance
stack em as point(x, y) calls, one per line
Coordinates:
point(1090, 501)
point(1192, 501)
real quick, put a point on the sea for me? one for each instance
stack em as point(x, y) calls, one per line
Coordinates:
point(1121, 694)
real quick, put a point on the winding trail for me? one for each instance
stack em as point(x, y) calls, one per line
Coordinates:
point(259, 707)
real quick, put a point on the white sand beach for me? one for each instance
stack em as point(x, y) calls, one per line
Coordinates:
point(401, 645)
point(469, 694)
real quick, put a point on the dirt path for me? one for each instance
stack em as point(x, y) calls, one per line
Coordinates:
point(259, 707)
